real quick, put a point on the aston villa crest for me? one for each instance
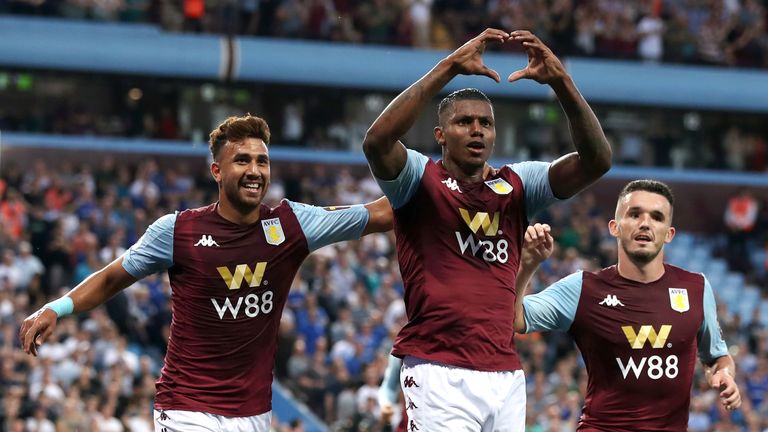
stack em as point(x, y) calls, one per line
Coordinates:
point(678, 299)
point(500, 186)
point(273, 231)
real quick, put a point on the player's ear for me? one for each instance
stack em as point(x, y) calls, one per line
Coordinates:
point(439, 137)
point(670, 235)
point(216, 172)
point(613, 227)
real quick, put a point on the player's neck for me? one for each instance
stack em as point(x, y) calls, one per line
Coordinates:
point(641, 272)
point(467, 174)
point(236, 216)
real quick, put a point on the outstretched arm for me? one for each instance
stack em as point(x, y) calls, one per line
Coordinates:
point(380, 216)
point(92, 292)
point(574, 171)
point(537, 247)
point(385, 153)
point(721, 376)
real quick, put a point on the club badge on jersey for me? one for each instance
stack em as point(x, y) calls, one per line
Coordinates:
point(678, 299)
point(273, 231)
point(500, 186)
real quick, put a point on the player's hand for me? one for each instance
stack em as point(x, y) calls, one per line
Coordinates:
point(538, 244)
point(36, 329)
point(543, 65)
point(729, 391)
point(468, 58)
point(387, 411)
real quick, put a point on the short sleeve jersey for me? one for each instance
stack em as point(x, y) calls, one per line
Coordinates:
point(458, 246)
point(229, 285)
point(638, 340)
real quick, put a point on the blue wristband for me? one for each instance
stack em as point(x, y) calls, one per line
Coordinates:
point(63, 306)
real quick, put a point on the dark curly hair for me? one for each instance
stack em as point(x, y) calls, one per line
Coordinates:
point(237, 129)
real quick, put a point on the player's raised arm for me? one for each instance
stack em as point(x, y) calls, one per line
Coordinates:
point(385, 153)
point(537, 247)
point(92, 292)
point(721, 376)
point(572, 172)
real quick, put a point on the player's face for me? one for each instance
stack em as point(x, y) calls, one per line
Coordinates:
point(243, 174)
point(643, 224)
point(467, 132)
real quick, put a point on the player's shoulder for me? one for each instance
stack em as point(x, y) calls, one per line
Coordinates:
point(286, 205)
point(604, 274)
point(525, 170)
point(525, 165)
point(196, 213)
point(684, 275)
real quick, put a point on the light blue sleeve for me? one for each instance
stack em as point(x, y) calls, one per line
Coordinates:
point(710, 338)
point(391, 382)
point(538, 192)
point(154, 251)
point(322, 226)
point(401, 189)
point(554, 308)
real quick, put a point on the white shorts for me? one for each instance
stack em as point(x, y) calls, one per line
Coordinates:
point(193, 421)
point(440, 397)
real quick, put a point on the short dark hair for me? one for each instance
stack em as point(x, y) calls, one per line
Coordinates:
point(237, 129)
point(647, 185)
point(460, 95)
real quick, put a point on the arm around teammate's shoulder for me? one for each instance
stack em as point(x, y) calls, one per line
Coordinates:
point(380, 216)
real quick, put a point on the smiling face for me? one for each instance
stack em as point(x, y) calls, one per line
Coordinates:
point(243, 174)
point(642, 226)
point(467, 133)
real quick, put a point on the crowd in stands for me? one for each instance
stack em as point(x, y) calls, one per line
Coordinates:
point(713, 32)
point(60, 223)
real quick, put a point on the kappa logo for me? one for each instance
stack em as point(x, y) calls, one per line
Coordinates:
point(647, 332)
point(411, 405)
point(409, 382)
point(207, 241)
point(452, 184)
point(611, 300)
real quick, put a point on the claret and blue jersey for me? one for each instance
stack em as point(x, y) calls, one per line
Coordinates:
point(639, 342)
point(458, 246)
point(229, 285)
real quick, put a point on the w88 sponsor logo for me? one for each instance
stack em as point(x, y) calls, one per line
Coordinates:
point(497, 251)
point(489, 250)
point(252, 304)
point(655, 367)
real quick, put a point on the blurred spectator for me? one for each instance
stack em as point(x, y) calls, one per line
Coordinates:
point(194, 12)
point(650, 33)
point(740, 218)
